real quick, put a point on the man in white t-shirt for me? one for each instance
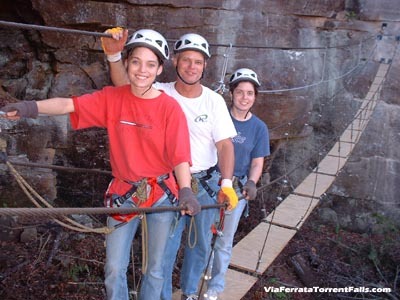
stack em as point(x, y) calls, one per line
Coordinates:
point(211, 130)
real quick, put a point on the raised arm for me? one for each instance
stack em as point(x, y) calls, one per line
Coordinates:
point(113, 48)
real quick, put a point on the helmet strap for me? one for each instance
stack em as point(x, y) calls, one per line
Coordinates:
point(147, 90)
point(245, 116)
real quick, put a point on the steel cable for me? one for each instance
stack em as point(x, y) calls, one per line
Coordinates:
point(56, 29)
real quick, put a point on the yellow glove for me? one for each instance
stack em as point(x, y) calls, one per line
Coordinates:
point(113, 47)
point(229, 196)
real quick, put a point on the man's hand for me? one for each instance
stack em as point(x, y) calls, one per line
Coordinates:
point(250, 190)
point(113, 47)
point(228, 195)
point(188, 200)
point(23, 109)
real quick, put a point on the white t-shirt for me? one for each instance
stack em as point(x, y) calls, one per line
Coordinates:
point(208, 120)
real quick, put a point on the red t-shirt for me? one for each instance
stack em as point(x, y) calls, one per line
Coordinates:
point(148, 137)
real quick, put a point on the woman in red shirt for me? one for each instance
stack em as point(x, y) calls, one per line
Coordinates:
point(149, 141)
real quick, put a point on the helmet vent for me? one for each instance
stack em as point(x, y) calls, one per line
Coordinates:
point(192, 41)
point(152, 40)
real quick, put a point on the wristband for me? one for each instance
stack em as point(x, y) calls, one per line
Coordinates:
point(226, 183)
point(114, 57)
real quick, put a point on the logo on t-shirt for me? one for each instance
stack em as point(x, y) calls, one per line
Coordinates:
point(239, 139)
point(201, 118)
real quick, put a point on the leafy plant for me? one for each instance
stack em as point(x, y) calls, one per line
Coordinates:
point(280, 296)
point(351, 15)
point(75, 271)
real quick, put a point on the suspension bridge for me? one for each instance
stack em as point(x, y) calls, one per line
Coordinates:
point(284, 222)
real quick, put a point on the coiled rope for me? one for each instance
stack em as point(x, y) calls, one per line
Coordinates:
point(32, 194)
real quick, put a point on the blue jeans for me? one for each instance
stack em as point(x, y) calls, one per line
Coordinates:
point(118, 245)
point(223, 245)
point(195, 259)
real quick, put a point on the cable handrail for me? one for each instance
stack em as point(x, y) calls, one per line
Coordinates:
point(102, 34)
point(55, 29)
point(285, 48)
point(61, 168)
point(61, 211)
point(361, 62)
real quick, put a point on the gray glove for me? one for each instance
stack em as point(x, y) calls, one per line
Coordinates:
point(251, 189)
point(26, 109)
point(188, 200)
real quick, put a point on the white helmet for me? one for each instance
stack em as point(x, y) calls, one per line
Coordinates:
point(150, 39)
point(192, 41)
point(244, 74)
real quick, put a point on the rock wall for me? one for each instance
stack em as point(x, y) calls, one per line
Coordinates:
point(301, 50)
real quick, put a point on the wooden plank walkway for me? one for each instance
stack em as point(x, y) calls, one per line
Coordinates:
point(245, 254)
point(292, 212)
point(257, 251)
point(237, 285)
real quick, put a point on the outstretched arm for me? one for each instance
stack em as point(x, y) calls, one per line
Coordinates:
point(56, 106)
point(31, 109)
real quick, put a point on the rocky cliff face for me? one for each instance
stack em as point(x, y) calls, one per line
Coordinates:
point(314, 59)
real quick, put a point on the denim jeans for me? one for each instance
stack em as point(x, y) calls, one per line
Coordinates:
point(195, 259)
point(223, 245)
point(118, 245)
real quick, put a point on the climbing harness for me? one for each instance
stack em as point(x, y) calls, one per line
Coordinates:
point(141, 193)
point(238, 185)
point(237, 182)
point(202, 178)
